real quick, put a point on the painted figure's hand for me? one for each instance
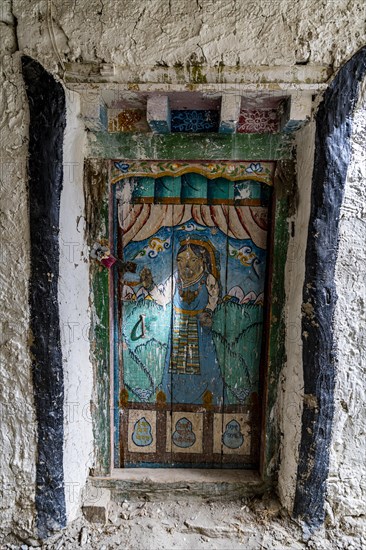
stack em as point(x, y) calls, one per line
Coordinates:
point(205, 319)
point(146, 278)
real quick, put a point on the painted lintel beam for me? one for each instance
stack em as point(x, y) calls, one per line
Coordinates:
point(296, 113)
point(238, 79)
point(93, 110)
point(158, 114)
point(137, 146)
point(230, 110)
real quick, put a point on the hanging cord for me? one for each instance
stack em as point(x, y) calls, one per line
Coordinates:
point(52, 35)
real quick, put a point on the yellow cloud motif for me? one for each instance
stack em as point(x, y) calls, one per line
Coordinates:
point(153, 247)
point(245, 255)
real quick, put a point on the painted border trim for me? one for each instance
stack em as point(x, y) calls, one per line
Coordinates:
point(262, 172)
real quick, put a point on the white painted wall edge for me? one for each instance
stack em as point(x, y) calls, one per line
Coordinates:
point(291, 385)
point(74, 313)
point(346, 486)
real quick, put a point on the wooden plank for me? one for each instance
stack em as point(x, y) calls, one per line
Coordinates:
point(93, 111)
point(189, 146)
point(230, 110)
point(173, 483)
point(285, 179)
point(270, 78)
point(158, 114)
point(297, 112)
point(218, 426)
point(189, 416)
point(145, 325)
point(96, 193)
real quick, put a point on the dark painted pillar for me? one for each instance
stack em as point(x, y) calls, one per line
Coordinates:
point(332, 156)
point(46, 130)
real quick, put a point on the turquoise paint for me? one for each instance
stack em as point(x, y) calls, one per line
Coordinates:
point(160, 126)
point(227, 127)
point(167, 187)
point(220, 189)
point(143, 188)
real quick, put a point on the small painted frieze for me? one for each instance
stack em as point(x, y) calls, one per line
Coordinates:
point(184, 435)
point(231, 170)
point(258, 121)
point(232, 436)
point(195, 121)
point(141, 435)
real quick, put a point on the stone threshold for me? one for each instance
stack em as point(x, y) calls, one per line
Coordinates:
point(179, 483)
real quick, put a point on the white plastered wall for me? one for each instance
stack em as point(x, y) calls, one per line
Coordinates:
point(346, 499)
point(18, 435)
point(291, 384)
point(75, 313)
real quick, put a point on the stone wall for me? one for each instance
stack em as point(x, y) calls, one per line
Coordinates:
point(139, 34)
point(17, 416)
point(347, 479)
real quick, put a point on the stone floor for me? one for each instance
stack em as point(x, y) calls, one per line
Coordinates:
point(194, 525)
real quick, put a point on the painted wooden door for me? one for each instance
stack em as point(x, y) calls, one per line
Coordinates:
point(189, 319)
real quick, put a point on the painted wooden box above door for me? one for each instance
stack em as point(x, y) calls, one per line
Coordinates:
point(189, 323)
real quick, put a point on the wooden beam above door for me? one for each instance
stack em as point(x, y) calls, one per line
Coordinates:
point(296, 112)
point(138, 146)
point(230, 111)
point(158, 114)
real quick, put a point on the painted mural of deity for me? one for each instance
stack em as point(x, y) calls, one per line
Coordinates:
point(191, 364)
point(190, 317)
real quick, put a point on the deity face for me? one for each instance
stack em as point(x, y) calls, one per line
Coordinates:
point(190, 266)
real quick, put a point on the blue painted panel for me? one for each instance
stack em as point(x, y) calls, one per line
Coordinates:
point(195, 121)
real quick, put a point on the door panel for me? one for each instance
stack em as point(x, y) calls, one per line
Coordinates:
point(191, 321)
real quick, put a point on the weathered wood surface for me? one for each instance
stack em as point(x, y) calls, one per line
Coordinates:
point(191, 321)
point(189, 146)
point(170, 484)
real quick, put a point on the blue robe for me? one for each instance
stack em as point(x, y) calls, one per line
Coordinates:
point(191, 365)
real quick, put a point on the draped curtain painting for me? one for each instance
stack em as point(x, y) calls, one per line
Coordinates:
point(154, 199)
point(190, 318)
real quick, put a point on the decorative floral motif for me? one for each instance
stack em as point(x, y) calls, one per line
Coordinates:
point(232, 437)
point(102, 254)
point(233, 171)
point(143, 394)
point(184, 435)
point(128, 120)
point(142, 436)
point(194, 121)
point(258, 122)
point(254, 168)
point(122, 166)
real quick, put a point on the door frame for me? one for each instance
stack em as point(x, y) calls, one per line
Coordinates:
point(97, 170)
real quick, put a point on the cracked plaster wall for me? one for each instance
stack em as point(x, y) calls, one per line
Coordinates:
point(279, 32)
point(17, 417)
point(137, 34)
point(75, 313)
point(347, 475)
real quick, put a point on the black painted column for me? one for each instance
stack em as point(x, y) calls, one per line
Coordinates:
point(332, 156)
point(46, 130)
